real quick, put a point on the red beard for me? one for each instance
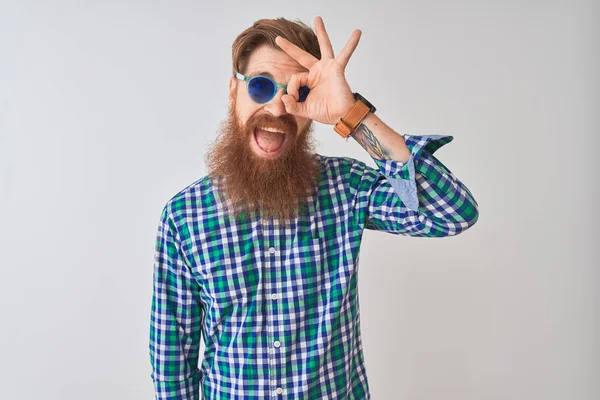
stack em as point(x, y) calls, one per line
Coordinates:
point(249, 185)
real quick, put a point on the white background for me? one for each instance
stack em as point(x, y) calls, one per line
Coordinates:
point(106, 109)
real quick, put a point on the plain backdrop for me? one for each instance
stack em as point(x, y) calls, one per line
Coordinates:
point(107, 108)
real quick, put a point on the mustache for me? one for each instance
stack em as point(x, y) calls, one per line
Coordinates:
point(286, 123)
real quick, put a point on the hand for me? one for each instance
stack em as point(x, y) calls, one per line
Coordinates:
point(330, 96)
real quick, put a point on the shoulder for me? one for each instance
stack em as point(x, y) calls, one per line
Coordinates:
point(347, 173)
point(338, 165)
point(344, 167)
point(187, 200)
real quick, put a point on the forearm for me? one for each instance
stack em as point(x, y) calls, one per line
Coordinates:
point(381, 141)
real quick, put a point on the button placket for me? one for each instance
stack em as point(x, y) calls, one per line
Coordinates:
point(271, 260)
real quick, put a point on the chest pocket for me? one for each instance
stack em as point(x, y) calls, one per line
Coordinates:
point(308, 269)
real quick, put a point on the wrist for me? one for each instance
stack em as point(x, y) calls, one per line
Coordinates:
point(350, 121)
point(346, 104)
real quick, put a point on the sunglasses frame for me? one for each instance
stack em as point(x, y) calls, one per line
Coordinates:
point(276, 85)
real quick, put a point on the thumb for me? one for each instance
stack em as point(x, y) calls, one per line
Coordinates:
point(292, 106)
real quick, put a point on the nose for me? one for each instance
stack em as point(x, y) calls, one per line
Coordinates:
point(275, 106)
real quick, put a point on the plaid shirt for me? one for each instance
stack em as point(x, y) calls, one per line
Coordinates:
point(278, 307)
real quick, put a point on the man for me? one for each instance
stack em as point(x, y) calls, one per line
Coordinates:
point(260, 257)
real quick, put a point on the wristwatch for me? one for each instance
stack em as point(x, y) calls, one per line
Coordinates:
point(349, 122)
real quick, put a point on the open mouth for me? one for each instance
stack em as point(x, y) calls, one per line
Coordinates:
point(276, 146)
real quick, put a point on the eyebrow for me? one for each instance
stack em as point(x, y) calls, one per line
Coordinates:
point(255, 73)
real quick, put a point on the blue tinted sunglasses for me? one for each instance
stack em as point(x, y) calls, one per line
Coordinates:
point(262, 89)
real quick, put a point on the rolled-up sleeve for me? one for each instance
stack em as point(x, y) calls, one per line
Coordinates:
point(175, 320)
point(420, 197)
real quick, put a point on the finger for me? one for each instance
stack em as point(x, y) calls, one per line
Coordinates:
point(295, 82)
point(324, 42)
point(305, 59)
point(293, 107)
point(348, 49)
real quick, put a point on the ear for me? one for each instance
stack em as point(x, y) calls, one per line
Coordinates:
point(232, 88)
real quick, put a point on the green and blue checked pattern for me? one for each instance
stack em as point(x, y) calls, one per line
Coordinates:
point(277, 306)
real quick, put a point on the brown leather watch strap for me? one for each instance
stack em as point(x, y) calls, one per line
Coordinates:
point(349, 122)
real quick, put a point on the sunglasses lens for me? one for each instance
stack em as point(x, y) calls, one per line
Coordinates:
point(302, 93)
point(261, 89)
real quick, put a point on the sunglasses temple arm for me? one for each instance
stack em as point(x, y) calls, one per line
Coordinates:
point(281, 85)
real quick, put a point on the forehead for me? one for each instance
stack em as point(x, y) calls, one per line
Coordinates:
point(277, 64)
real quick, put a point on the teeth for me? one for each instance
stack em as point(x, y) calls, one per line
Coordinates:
point(270, 130)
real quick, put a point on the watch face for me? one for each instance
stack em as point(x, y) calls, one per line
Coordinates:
point(357, 96)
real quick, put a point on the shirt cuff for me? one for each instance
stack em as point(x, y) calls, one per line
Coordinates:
point(402, 175)
point(188, 389)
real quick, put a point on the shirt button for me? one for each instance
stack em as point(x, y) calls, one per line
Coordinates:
point(274, 296)
point(277, 343)
point(272, 250)
point(279, 391)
